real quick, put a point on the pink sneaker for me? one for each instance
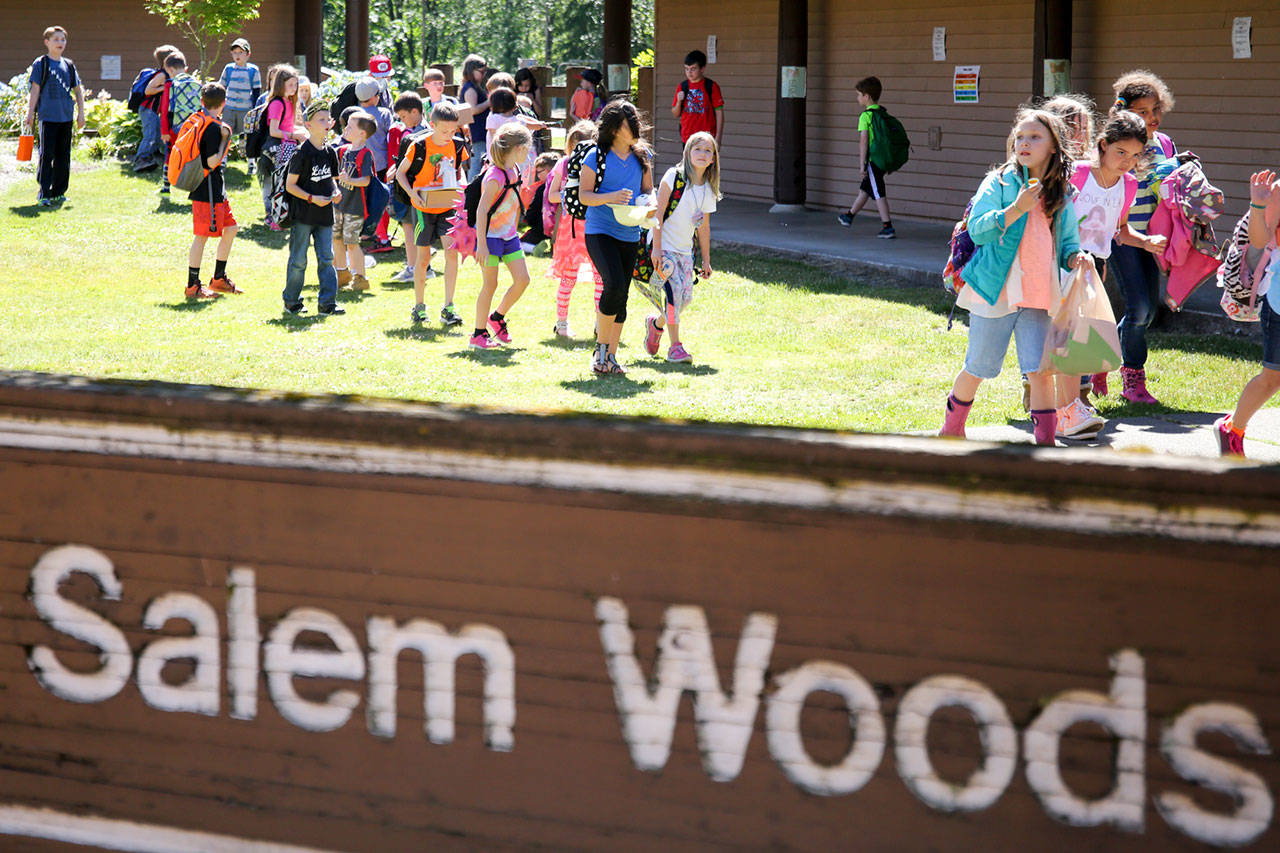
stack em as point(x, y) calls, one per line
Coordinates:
point(652, 335)
point(498, 328)
point(1230, 442)
point(1099, 384)
point(679, 354)
point(1135, 386)
point(483, 341)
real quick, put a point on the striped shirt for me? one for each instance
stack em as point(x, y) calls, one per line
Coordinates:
point(1146, 200)
point(240, 83)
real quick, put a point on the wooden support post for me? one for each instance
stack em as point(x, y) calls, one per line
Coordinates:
point(357, 35)
point(542, 74)
point(1051, 49)
point(308, 29)
point(789, 127)
point(617, 47)
point(645, 100)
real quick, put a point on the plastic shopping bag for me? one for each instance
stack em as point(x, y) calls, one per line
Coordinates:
point(1082, 338)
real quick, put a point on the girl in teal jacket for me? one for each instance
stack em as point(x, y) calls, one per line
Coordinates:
point(1025, 232)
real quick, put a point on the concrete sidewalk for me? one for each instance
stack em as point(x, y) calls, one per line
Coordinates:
point(916, 258)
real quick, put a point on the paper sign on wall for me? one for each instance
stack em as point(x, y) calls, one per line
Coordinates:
point(619, 77)
point(939, 44)
point(794, 81)
point(110, 68)
point(966, 84)
point(711, 50)
point(1240, 31)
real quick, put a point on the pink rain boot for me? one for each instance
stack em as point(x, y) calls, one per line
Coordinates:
point(1099, 384)
point(1135, 386)
point(957, 414)
point(1044, 424)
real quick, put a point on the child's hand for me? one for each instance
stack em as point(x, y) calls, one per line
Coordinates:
point(1262, 187)
point(1156, 243)
point(659, 269)
point(1027, 199)
point(482, 250)
point(705, 272)
point(622, 196)
point(337, 196)
point(1080, 260)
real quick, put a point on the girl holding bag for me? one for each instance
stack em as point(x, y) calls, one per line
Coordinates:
point(1105, 189)
point(1025, 230)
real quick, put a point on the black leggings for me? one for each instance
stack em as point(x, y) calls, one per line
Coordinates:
point(615, 260)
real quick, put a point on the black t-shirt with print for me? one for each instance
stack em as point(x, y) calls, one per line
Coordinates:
point(316, 169)
point(212, 189)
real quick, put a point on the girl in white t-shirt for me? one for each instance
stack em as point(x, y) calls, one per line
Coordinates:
point(673, 238)
point(1104, 192)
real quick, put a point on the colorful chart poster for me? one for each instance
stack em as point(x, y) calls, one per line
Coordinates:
point(966, 84)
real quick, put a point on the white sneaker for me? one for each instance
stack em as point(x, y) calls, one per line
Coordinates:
point(431, 273)
point(1076, 420)
point(561, 329)
point(369, 261)
point(405, 274)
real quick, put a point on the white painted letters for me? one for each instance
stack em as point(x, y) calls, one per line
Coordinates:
point(1123, 713)
point(199, 694)
point(686, 662)
point(440, 651)
point(243, 638)
point(786, 745)
point(79, 622)
point(999, 744)
point(1253, 813)
point(282, 662)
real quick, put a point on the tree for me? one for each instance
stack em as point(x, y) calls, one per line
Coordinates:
point(205, 23)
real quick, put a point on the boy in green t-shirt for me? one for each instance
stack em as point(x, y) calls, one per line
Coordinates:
point(872, 187)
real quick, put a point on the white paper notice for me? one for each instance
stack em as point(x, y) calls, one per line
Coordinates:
point(711, 50)
point(794, 81)
point(619, 77)
point(939, 44)
point(1240, 46)
point(110, 68)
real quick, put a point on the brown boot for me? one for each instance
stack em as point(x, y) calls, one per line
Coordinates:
point(359, 282)
point(344, 278)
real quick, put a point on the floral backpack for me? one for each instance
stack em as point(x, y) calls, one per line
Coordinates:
point(1240, 276)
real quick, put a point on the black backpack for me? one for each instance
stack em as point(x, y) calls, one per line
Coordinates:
point(707, 83)
point(475, 188)
point(257, 139)
point(419, 160)
point(573, 179)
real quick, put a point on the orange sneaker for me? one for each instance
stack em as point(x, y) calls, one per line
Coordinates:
point(224, 285)
point(199, 291)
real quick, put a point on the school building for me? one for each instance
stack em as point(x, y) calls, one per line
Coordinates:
point(1225, 111)
point(111, 41)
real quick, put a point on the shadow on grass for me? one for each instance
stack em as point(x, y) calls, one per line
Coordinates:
point(259, 233)
point(495, 357)
point(354, 295)
point(664, 366)
point(188, 306)
point(28, 211)
point(429, 334)
point(608, 387)
point(568, 344)
point(297, 323)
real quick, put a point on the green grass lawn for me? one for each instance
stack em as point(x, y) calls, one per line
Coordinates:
point(96, 289)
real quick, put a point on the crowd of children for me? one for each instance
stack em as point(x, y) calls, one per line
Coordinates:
point(1067, 197)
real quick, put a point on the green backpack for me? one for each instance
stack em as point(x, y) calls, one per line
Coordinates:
point(890, 147)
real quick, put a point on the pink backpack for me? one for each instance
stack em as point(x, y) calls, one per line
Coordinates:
point(1081, 176)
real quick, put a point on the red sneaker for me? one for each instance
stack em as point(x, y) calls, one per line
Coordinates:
point(199, 291)
point(224, 285)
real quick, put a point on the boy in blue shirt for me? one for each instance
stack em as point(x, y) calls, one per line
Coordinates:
point(57, 96)
point(243, 83)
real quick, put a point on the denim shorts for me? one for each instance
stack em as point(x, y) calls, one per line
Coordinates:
point(989, 341)
point(1270, 336)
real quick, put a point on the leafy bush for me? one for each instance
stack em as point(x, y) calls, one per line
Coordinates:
point(13, 103)
point(119, 128)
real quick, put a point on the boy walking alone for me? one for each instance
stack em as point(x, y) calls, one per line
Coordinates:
point(56, 94)
point(243, 82)
point(872, 187)
point(310, 182)
point(210, 208)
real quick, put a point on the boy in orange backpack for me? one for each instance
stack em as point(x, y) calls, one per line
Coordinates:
point(210, 209)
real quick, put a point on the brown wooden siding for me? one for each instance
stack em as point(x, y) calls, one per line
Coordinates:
point(127, 30)
point(1225, 108)
point(1028, 611)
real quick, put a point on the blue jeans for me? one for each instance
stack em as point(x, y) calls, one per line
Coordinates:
point(150, 148)
point(1139, 279)
point(478, 151)
point(299, 235)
